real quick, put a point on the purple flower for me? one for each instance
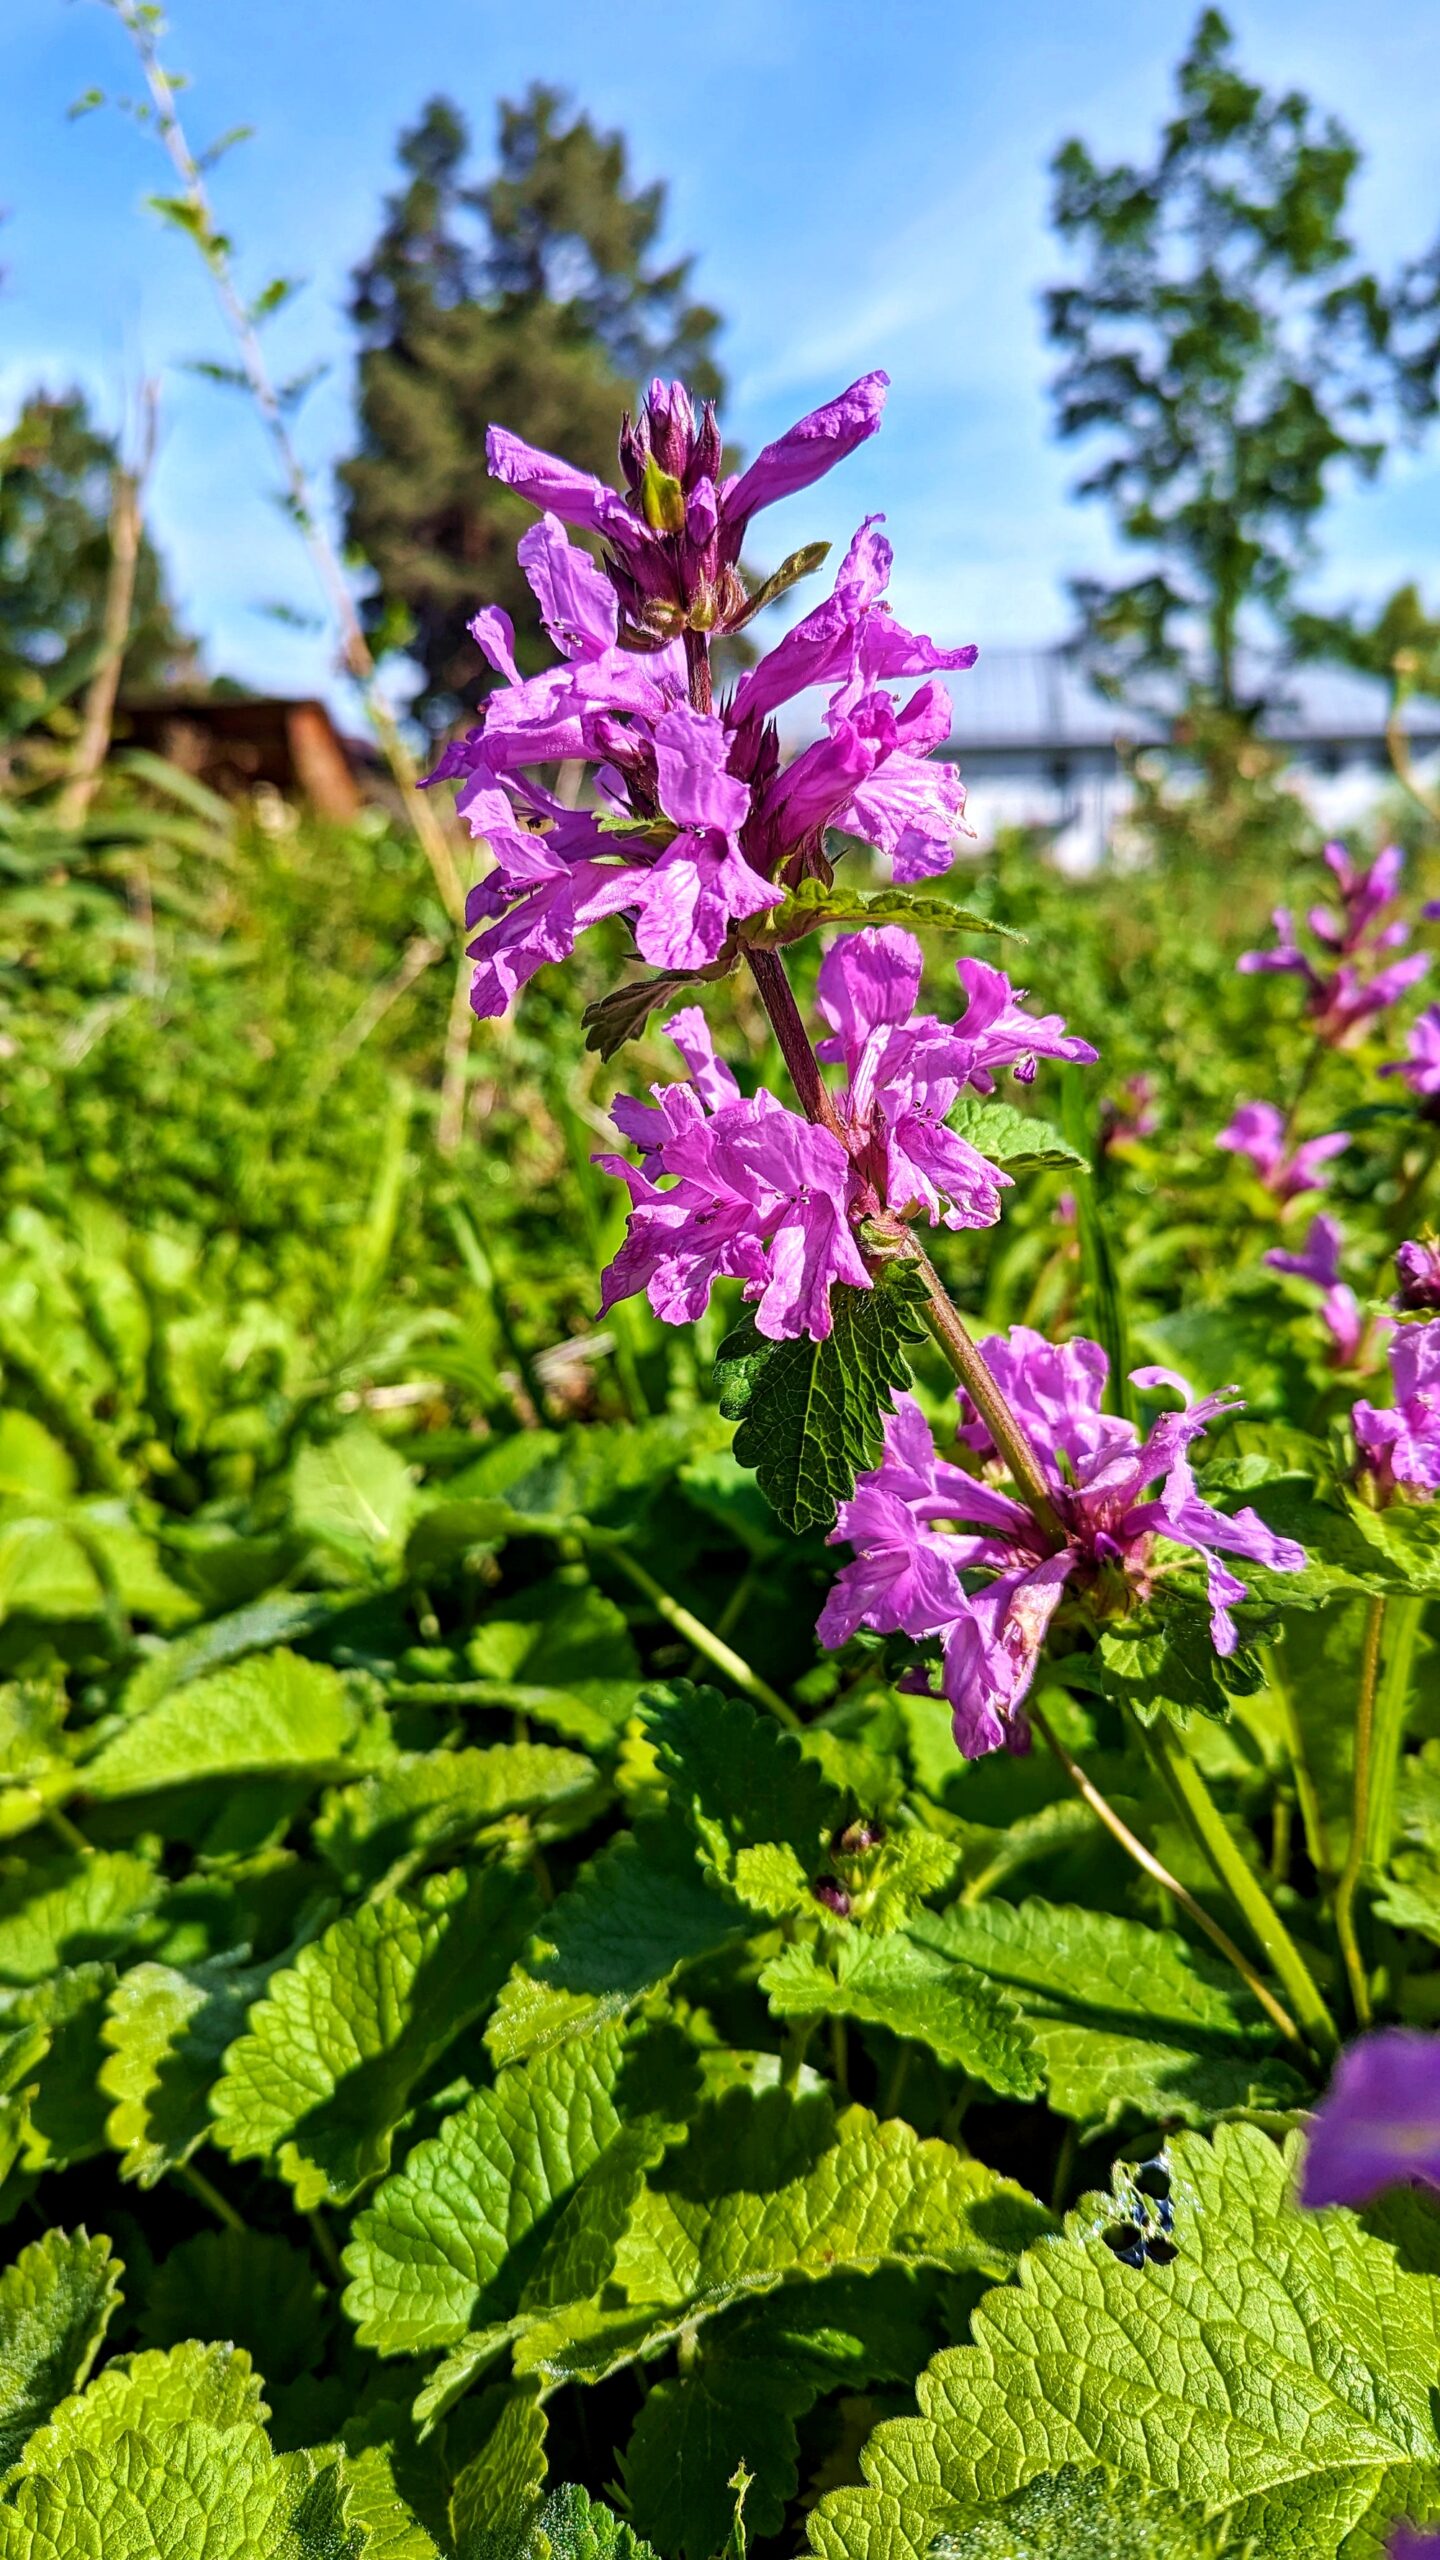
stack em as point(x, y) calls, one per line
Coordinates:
point(917, 1523)
point(906, 1072)
point(1419, 1268)
point(1340, 1000)
point(1407, 2544)
point(674, 539)
point(1258, 1131)
point(755, 1194)
point(1400, 1448)
point(1340, 1310)
point(700, 827)
point(1130, 1116)
point(1378, 2124)
point(1421, 1067)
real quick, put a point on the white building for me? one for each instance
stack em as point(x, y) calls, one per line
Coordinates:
point(1040, 747)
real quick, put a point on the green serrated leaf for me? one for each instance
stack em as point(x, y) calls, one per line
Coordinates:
point(563, 1653)
point(814, 903)
point(1019, 1141)
point(167, 2030)
point(56, 2301)
point(1129, 2020)
point(250, 2288)
point(1277, 2374)
point(146, 2394)
point(811, 1414)
point(71, 1911)
point(772, 2186)
point(1090, 2515)
point(499, 2487)
point(448, 2243)
point(273, 1714)
point(918, 1992)
point(634, 1916)
point(692, 2434)
point(190, 2490)
point(429, 1802)
point(323, 2075)
point(744, 1787)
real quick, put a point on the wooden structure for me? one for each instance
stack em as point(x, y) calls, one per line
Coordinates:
point(231, 743)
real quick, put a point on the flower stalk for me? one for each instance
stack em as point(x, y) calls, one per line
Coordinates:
point(1204, 1819)
point(1355, 1856)
point(1151, 1866)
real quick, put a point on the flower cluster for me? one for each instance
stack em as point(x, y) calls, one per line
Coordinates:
point(919, 1524)
point(754, 1192)
point(1353, 1336)
point(697, 829)
point(1342, 997)
point(1258, 1131)
point(1400, 1447)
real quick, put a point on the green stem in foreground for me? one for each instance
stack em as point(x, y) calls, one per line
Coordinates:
point(1243, 1886)
point(1151, 1866)
point(210, 2196)
point(1360, 1812)
point(1402, 1626)
point(734, 1666)
point(1307, 1794)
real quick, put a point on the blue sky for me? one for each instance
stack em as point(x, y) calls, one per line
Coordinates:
point(863, 181)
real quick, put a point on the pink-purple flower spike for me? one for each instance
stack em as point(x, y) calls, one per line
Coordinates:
point(917, 1523)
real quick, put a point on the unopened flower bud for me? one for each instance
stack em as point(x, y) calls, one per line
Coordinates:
point(708, 451)
point(1419, 1268)
point(672, 425)
point(634, 450)
point(859, 1836)
point(834, 1897)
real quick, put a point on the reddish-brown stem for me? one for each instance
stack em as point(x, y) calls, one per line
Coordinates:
point(941, 1314)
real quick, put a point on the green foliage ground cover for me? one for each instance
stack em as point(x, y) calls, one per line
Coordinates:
point(437, 2111)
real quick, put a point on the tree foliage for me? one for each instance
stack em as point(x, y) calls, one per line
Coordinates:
point(532, 299)
point(1226, 351)
point(55, 475)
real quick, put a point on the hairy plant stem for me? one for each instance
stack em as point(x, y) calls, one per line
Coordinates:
point(1249, 1896)
point(942, 1316)
point(1152, 1866)
point(1351, 1872)
point(1402, 1626)
point(1147, 1861)
point(1307, 1794)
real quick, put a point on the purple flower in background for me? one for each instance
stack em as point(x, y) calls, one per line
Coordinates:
point(1340, 1000)
point(1130, 1115)
point(1407, 2544)
point(1418, 1265)
point(906, 1072)
point(1340, 1310)
point(1098, 1469)
point(674, 539)
point(756, 1194)
point(1400, 1448)
point(1258, 1131)
point(1378, 2124)
point(1421, 1067)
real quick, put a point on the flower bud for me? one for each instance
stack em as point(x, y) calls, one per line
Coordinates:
point(672, 425)
point(708, 451)
point(834, 1897)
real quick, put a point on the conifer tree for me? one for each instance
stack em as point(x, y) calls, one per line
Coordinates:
point(533, 299)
